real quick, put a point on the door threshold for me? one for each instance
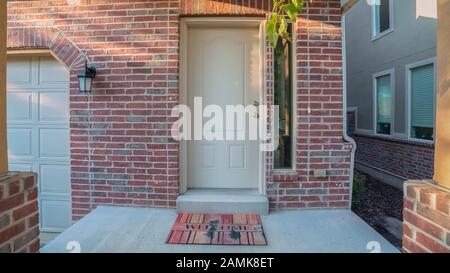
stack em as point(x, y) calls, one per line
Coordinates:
point(216, 191)
point(233, 201)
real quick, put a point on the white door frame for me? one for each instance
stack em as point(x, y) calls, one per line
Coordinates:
point(219, 22)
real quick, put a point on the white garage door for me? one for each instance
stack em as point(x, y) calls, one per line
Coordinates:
point(38, 133)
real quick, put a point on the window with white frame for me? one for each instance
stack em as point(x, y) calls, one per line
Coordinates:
point(383, 104)
point(382, 17)
point(422, 98)
point(283, 97)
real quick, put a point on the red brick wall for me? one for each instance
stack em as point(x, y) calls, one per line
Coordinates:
point(408, 159)
point(426, 218)
point(121, 149)
point(121, 153)
point(319, 120)
point(19, 216)
point(225, 7)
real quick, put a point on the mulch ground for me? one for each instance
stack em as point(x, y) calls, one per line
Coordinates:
point(377, 202)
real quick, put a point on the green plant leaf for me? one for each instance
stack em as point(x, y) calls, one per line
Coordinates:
point(298, 4)
point(272, 33)
point(283, 13)
point(291, 11)
point(277, 4)
point(283, 27)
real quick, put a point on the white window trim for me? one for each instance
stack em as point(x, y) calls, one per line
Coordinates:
point(370, 132)
point(375, 35)
point(408, 69)
point(354, 109)
point(357, 129)
point(391, 73)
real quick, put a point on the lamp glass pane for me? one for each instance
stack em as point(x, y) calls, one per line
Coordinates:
point(88, 84)
point(82, 82)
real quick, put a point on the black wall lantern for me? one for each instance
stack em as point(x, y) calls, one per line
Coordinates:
point(86, 78)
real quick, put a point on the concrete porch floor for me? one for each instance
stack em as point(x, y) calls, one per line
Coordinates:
point(125, 229)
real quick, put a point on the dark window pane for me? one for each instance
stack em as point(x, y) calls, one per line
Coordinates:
point(384, 128)
point(382, 16)
point(283, 98)
point(422, 133)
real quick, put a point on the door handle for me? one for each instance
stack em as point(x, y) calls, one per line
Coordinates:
point(256, 104)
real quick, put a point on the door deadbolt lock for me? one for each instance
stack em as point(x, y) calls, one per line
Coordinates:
point(256, 104)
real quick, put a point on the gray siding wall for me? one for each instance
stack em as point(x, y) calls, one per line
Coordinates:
point(413, 40)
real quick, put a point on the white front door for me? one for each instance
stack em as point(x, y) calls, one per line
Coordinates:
point(223, 69)
point(38, 133)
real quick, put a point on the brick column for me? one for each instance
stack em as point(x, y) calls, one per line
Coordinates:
point(426, 218)
point(19, 215)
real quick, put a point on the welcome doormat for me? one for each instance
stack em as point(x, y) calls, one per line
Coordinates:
point(217, 229)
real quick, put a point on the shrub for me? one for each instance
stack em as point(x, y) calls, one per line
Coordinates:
point(358, 186)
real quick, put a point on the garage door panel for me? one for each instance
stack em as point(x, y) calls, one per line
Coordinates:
point(21, 167)
point(51, 72)
point(53, 143)
point(20, 142)
point(55, 214)
point(19, 72)
point(52, 178)
point(38, 122)
point(22, 110)
point(53, 106)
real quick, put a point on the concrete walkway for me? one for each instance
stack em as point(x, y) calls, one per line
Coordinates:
point(125, 229)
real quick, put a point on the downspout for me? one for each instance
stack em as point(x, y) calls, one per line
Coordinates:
point(344, 106)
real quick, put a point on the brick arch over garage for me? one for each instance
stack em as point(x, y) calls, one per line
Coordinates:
point(47, 38)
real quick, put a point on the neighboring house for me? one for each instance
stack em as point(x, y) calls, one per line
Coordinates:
point(391, 71)
point(114, 147)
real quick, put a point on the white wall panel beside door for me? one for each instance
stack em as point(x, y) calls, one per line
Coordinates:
point(38, 131)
